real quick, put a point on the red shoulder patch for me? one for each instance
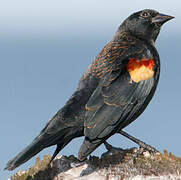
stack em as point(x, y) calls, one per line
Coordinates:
point(140, 70)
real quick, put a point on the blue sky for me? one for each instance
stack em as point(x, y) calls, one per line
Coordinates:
point(45, 48)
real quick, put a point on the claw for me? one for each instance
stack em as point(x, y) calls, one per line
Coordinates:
point(111, 150)
point(149, 148)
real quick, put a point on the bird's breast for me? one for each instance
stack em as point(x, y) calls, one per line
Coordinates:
point(140, 70)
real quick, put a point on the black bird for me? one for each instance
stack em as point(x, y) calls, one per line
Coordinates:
point(112, 93)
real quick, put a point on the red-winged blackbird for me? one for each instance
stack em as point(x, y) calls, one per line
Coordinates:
point(113, 92)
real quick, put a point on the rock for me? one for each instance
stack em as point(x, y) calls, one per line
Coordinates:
point(130, 164)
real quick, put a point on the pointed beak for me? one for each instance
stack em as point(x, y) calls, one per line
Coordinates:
point(160, 19)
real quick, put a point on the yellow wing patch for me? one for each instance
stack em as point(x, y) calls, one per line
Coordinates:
point(140, 70)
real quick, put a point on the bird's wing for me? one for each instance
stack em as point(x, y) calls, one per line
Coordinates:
point(116, 99)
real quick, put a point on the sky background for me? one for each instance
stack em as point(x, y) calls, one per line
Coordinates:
point(45, 46)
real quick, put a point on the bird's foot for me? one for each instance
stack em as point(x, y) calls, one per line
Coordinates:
point(146, 147)
point(112, 150)
point(143, 146)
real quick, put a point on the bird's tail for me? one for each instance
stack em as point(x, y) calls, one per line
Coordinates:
point(43, 140)
point(87, 147)
point(35, 147)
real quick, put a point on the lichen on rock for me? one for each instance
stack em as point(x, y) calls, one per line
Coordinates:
point(130, 164)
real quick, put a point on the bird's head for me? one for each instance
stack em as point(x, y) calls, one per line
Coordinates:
point(144, 24)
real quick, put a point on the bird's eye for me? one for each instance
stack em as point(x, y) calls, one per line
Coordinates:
point(145, 14)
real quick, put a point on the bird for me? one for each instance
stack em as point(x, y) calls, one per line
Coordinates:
point(114, 90)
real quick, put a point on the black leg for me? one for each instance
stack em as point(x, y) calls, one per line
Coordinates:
point(139, 142)
point(55, 153)
point(108, 146)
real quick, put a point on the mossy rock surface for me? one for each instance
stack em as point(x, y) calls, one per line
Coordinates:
point(122, 165)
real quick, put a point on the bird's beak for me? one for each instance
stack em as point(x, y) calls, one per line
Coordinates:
point(160, 19)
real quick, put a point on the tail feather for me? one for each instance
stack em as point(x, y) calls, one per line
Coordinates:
point(61, 138)
point(35, 147)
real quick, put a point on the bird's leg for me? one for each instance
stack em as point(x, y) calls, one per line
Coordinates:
point(55, 153)
point(139, 142)
point(108, 146)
